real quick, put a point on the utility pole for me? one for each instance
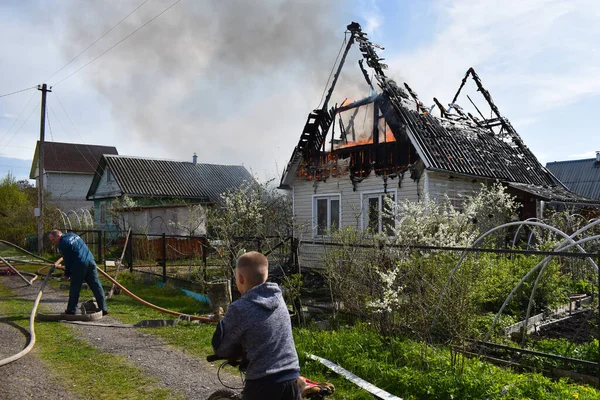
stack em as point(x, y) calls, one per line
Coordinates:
point(40, 235)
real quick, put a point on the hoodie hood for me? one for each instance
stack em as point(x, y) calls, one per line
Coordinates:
point(266, 295)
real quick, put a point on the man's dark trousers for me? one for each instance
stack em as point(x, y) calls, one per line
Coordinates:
point(89, 275)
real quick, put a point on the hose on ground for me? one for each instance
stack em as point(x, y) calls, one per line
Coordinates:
point(146, 303)
point(29, 282)
point(29, 346)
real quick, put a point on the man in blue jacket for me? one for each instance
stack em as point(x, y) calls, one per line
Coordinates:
point(80, 267)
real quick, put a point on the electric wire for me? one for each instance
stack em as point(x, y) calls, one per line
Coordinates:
point(92, 165)
point(119, 42)
point(49, 126)
point(23, 124)
point(333, 68)
point(18, 91)
point(16, 119)
point(97, 40)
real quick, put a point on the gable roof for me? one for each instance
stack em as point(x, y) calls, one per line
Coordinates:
point(147, 177)
point(580, 176)
point(69, 157)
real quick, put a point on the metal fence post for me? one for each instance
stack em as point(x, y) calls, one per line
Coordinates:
point(204, 256)
point(164, 256)
point(100, 258)
point(130, 256)
point(598, 321)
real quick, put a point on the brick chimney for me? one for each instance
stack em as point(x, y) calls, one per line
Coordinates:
point(195, 159)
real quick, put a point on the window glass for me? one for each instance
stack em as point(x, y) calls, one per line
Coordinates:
point(379, 216)
point(373, 222)
point(387, 217)
point(335, 214)
point(326, 215)
point(321, 216)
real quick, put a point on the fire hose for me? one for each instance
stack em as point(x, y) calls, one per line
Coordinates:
point(29, 346)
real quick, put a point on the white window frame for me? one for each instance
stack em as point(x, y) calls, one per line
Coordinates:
point(329, 197)
point(364, 206)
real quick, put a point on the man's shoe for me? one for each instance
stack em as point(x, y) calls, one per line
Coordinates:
point(69, 312)
point(104, 313)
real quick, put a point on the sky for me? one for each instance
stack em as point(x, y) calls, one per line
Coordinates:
point(234, 81)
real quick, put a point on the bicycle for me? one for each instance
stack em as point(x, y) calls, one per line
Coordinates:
point(309, 389)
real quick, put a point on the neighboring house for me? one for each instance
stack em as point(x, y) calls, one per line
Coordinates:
point(351, 157)
point(580, 176)
point(68, 172)
point(159, 196)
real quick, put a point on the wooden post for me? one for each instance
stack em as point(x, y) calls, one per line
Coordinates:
point(40, 182)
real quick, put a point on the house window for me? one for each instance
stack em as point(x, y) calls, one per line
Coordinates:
point(109, 176)
point(378, 212)
point(326, 214)
point(102, 213)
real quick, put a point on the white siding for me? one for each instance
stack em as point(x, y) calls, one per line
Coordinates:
point(436, 184)
point(304, 191)
point(68, 190)
point(106, 188)
point(441, 185)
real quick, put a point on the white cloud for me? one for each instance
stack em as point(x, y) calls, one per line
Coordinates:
point(542, 52)
point(371, 14)
point(588, 154)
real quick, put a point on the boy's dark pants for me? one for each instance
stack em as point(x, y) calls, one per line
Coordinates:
point(288, 390)
point(89, 275)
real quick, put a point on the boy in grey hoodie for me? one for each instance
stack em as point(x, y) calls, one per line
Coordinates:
point(259, 325)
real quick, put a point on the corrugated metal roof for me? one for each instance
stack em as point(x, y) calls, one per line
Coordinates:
point(70, 157)
point(175, 179)
point(580, 176)
point(470, 150)
point(553, 193)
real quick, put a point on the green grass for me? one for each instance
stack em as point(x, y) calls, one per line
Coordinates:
point(80, 368)
point(416, 371)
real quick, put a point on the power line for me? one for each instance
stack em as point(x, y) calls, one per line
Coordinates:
point(79, 134)
point(16, 119)
point(21, 127)
point(119, 42)
point(97, 40)
point(18, 91)
point(49, 126)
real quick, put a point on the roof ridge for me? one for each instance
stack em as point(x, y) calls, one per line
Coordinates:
point(168, 159)
point(570, 161)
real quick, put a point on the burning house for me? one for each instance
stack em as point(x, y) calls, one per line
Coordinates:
point(351, 156)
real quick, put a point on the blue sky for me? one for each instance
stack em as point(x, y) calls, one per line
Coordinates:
point(235, 83)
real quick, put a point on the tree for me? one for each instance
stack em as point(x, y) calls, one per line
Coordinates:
point(16, 211)
point(252, 217)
